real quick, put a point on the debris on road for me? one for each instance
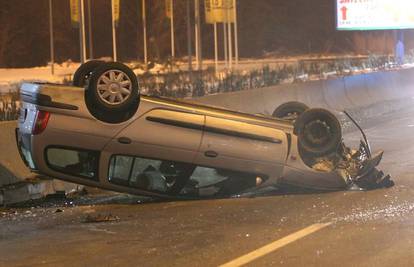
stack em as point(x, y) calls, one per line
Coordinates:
point(98, 218)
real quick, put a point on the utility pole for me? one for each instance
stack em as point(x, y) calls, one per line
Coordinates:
point(172, 29)
point(225, 45)
point(236, 38)
point(82, 31)
point(198, 34)
point(215, 47)
point(52, 46)
point(230, 38)
point(114, 48)
point(90, 29)
point(189, 37)
point(144, 26)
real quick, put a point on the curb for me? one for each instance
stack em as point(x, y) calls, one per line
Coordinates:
point(25, 191)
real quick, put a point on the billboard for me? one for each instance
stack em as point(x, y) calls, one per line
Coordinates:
point(374, 14)
point(217, 11)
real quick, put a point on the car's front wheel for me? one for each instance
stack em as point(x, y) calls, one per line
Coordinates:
point(319, 132)
point(113, 92)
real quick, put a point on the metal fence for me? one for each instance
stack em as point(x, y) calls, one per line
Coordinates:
point(9, 104)
point(184, 84)
point(9, 110)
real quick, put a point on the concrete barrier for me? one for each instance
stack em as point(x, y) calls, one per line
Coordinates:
point(17, 183)
point(312, 92)
point(351, 93)
point(268, 97)
point(26, 191)
point(12, 168)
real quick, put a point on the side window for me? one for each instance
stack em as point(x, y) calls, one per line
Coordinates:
point(119, 169)
point(75, 162)
point(179, 178)
point(212, 182)
point(149, 174)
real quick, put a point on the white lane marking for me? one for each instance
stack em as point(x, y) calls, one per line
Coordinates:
point(275, 245)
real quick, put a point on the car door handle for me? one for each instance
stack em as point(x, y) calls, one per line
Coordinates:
point(124, 140)
point(211, 154)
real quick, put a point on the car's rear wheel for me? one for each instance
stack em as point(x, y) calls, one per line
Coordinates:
point(113, 92)
point(319, 132)
point(290, 110)
point(84, 72)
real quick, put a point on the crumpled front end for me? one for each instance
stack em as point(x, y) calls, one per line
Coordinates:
point(343, 168)
point(356, 167)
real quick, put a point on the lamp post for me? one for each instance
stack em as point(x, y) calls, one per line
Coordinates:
point(90, 29)
point(198, 34)
point(144, 28)
point(82, 31)
point(114, 48)
point(172, 29)
point(236, 38)
point(52, 46)
point(189, 48)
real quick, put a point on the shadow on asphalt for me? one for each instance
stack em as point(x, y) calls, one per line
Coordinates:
point(98, 197)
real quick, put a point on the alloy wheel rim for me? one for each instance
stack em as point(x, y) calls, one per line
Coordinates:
point(114, 87)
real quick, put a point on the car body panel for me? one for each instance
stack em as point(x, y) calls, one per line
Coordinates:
point(176, 141)
point(243, 146)
point(170, 130)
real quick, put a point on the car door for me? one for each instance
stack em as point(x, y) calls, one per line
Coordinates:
point(242, 146)
point(161, 134)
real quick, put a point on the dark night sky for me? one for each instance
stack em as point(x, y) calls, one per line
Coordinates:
point(278, 27)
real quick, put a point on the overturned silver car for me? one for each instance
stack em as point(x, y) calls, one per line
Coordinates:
point(101, 132)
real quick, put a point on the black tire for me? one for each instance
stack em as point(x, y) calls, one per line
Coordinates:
point(116, 102)
point(319, 132)
point(290, 110)
point(83, 73)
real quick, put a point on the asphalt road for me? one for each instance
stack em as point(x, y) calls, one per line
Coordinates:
point(374, 228)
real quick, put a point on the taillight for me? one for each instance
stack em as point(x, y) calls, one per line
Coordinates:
point(40, 124)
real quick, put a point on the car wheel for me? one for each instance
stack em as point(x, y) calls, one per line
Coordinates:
point(113, 92)
point(319, 132)
point(290, 110)
point(83, 73)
